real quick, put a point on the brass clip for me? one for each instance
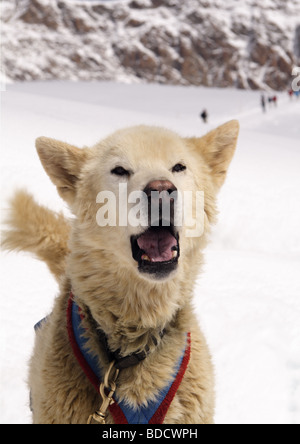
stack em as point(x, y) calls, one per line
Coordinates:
point(100, 415)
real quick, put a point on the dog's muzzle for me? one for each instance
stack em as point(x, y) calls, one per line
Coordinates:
point(157, 249)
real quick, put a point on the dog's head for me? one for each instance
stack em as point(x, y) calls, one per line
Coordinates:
point(129, 194)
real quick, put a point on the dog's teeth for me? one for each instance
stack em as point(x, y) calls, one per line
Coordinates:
point(174, 254)
point(146, 258)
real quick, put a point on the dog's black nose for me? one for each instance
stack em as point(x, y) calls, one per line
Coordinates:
point(159, 185)
point(161, 202)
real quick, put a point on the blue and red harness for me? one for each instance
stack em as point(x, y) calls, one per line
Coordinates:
point(155, 411)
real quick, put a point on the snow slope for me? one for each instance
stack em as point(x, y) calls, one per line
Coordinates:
point(248, 296)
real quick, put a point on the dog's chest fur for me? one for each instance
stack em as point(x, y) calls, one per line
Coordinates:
point(68, 396)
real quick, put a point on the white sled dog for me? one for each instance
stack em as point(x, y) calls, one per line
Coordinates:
point(122, 344)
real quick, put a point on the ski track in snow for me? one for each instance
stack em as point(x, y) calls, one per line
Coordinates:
point(248, 295)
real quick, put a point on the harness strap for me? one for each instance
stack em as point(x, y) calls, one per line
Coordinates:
point(155, 411)
point(121, 362)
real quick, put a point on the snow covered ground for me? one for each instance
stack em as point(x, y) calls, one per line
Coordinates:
point(248, 296)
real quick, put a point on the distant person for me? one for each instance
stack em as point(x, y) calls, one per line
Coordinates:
point(272, 100)
point(291, 93)
point(263, 103)
point(204, 116)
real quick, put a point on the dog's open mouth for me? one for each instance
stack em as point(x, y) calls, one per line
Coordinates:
point(156, 250)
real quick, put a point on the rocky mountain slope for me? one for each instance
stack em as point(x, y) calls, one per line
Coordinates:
point(245, 44)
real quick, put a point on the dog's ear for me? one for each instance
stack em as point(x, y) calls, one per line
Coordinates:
point(217, 148)
point(63, 164)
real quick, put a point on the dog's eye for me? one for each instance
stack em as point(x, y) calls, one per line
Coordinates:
point(120, 171)
point(178, 168)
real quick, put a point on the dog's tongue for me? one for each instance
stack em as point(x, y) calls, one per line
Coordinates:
point(158, 245)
